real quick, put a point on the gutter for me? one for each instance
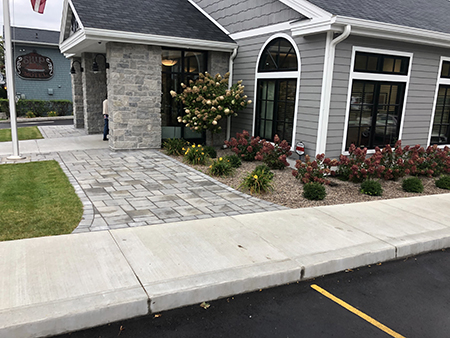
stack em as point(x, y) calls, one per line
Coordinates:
point(327, 82)
point(230, 83)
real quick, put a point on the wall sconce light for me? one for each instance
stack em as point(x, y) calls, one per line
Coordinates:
point(169, 63)
point(95, 68)
point(72, 69)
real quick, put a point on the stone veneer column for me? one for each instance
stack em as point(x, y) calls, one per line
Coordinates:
point(134, 92)
point(77, 94)
point(94, 93)
point(218, 62)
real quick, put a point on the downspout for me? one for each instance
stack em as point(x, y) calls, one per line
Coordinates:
point(230, 82)
point(327, 83)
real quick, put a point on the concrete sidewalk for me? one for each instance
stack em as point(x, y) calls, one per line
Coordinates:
point(64, 283)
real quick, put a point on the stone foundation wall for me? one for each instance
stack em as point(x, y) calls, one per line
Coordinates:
point(94, 93)
point(77, 95)
point(134, 92)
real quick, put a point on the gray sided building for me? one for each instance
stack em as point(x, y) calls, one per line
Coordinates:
point(329, 74)
point(42, 72)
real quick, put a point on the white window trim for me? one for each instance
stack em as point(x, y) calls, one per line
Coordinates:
point(376, 77)
point(278, 75)
point(440, 81)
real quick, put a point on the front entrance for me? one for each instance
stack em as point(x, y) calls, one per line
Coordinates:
point(179, 66)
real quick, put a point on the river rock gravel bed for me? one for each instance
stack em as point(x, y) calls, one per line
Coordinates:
point(288, 190)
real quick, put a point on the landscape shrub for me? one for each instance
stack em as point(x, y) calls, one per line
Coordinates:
point(393, 163)
point(209, 99)
point(210, 151)
point(314, 191)
point(234, 160)
point(196, 155)
point(30, 114)
point(175, 146)
point(244, 146)
point(314, 171)
point(259, 180)
point(274, 154)
point(413, 184)
point(221, 167)
point(52, 114)
point(443, 182)
point(371, 188)
point(39, 107)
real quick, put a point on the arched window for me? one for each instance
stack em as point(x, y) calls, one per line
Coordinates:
point(276, 99)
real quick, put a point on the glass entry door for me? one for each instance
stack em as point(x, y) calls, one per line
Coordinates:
point(178, 66)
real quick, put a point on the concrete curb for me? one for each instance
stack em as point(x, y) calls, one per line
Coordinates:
point(172, 265)
point(38, 119)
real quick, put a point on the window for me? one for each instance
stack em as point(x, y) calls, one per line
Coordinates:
point(440, 131)
point(378, 86)
point(178, 66)
point(381, 64)
point(375, 112)
point(276, 91)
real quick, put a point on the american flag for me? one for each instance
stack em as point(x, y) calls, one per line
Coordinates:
point(38, 5)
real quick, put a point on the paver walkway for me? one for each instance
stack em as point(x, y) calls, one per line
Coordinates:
point(61, 131)
point(137, 188)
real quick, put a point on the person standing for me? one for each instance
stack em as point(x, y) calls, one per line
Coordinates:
point(106, 118)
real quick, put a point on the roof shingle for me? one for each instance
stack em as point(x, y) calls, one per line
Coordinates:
point(175, 18)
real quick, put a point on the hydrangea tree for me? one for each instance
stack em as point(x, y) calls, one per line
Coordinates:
point(208, 100)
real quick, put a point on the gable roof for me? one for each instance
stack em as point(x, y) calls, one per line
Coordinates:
point(175, 18)
point(433, 15)
point(36, 36)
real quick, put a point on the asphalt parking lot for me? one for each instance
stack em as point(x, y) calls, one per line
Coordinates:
point(406, 298)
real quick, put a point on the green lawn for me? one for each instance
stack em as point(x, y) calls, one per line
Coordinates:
point(25, 133)
point(36, 200)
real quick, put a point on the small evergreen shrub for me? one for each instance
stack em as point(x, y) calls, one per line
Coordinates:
point(221, 167)
point(210, 151)
point(234, 160)
point(52, 114)
point(259, 180)
point(371, 188)
point(443, 182)
point(175, 146)
point(314, 191)
point(413, 184)
point(196, 155)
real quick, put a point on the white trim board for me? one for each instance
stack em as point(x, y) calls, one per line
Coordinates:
point(94, 35)
point(278, 75)
point(376, 77)
point(440, 81)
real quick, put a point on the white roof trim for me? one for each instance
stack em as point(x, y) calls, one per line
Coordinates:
point(395, 32)
point(94, 34)
point(306, 8)
point(209, 17)
point(271, 29)
point(62, 28)
point(23, 42)
point(372, 29)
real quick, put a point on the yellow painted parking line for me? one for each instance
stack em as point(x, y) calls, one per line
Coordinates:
point(357, 312)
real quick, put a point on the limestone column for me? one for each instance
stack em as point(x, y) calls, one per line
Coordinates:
point(94, 93)
point(77, 94)
point(134, 96)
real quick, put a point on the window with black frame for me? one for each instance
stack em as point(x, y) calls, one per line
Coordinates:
point(376, 106)
point(178, 66)
point(441, 124)
point(276, 94)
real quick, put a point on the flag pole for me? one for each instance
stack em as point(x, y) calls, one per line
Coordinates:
point(9, 65)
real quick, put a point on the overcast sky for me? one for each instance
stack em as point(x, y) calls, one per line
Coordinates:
point(22, 15)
